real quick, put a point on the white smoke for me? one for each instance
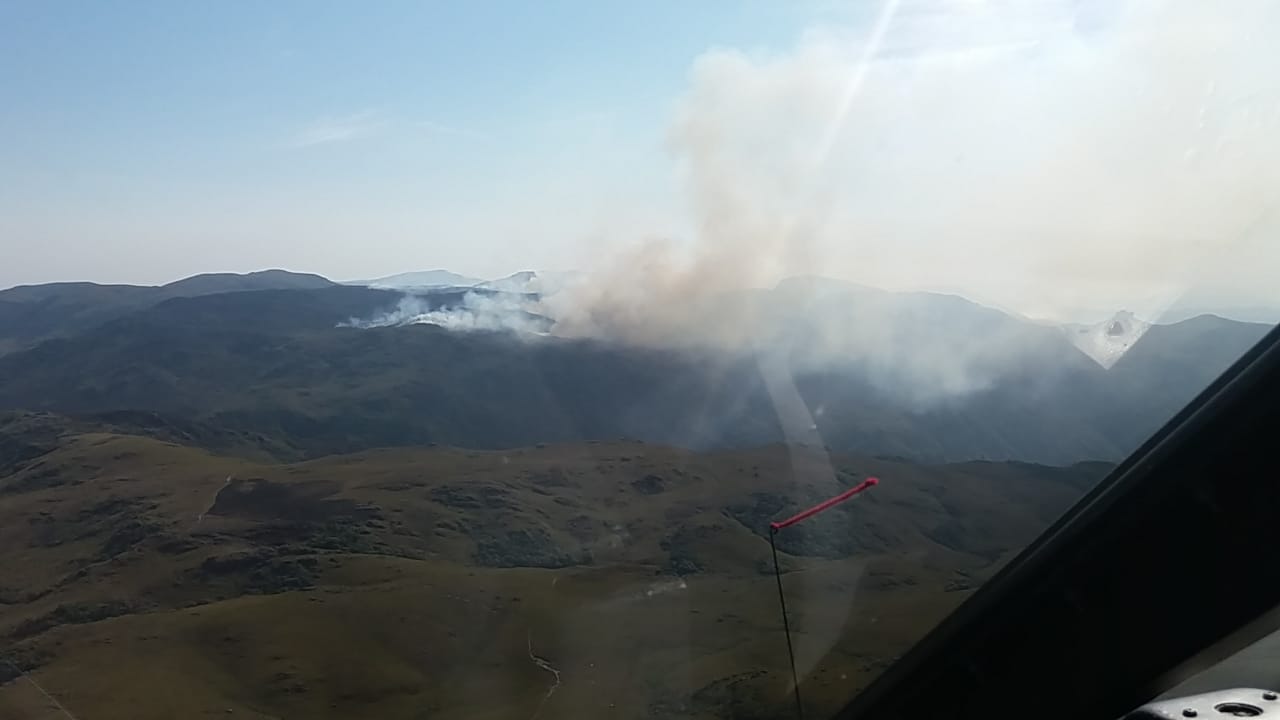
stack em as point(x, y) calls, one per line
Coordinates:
point(1045, 156)
point(1055, 157)
point(476, 311)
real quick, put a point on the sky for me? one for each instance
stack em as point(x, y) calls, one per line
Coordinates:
point(1058, 158)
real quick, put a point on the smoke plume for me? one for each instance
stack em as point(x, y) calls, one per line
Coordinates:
point(1049, 157)
point(1055, 158)
point(476, 311)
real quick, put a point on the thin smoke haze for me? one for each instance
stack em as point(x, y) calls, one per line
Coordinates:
point(1043, 157)
point(1046, 157)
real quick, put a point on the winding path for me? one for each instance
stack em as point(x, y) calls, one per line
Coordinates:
point(543, 664)
point(200, 517)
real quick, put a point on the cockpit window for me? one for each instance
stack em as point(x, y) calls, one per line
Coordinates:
point(469, 361)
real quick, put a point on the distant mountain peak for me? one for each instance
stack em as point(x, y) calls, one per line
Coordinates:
point(1107, 341)
point(273, 279)
point(537, 282)
point(418, 279)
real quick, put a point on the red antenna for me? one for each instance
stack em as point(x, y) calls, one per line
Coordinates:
point(825, 504)
point(774, 527)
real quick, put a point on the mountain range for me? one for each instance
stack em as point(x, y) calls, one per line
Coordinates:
point(273, 496)
point(31, 313)
point(419, 280)
point(270, 364)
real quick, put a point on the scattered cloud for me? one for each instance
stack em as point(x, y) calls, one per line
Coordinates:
point(369, 123)
point(342, 128)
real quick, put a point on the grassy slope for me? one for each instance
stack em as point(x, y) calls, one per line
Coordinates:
point(141, 583)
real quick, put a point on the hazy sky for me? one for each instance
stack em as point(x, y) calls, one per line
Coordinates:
point(1049, 157)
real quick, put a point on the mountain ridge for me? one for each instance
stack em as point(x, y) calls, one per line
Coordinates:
point(200, 283)
point(276, 364)
point(933, 377)
point(30, 314)
point(418, 279)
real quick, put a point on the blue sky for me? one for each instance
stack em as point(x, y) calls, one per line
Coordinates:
point(140, 141)
point(1060, 158)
